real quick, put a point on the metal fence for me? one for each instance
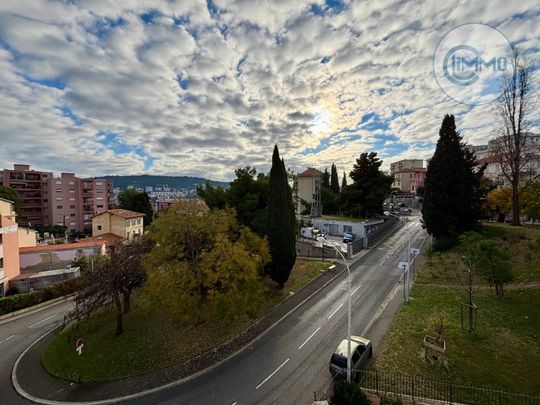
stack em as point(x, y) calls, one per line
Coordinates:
point(415, 388)
point(375, 232)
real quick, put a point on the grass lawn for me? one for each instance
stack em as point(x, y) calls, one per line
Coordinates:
point(151, 340)
point(522, 244)
point(505, 350)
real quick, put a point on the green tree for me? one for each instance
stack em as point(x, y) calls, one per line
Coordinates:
point(133, 200)
point(281, 222)
point(532, 200)
point(365, 196)
point(452, 200)
point(334, 180)
point(344, 181)
point(325, 181)
point(204, 264)
point(329, 201)
point(10, 194)
point(247, 194)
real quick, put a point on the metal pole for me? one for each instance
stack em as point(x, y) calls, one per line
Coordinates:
point(408, 259)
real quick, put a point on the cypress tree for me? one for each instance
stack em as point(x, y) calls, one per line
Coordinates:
point(281, 222)
point(326, 178)
point(344, 181)
point(452, 187)
point(334, 180)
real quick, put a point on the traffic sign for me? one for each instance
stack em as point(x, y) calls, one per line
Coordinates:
point(79, 345)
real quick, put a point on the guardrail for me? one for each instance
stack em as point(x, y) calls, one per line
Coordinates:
point(416, 388)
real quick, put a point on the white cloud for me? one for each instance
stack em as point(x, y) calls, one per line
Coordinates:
point(203, 92)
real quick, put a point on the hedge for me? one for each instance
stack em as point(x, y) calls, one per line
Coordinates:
point(25, 300)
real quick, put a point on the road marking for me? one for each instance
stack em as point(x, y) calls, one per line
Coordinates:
point(270, 376)
point(310, 336)
point(43, 320)
point(234, 403)
point(331, 267)
point(6, 339)
point(356, 289)
point(337, 309)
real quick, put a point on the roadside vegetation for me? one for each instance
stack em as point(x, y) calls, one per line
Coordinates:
point(503, 350)
point(155, 338)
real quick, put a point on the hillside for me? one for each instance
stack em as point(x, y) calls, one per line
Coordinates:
point(174, 182)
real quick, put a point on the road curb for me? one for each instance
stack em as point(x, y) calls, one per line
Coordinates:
point(147, 392)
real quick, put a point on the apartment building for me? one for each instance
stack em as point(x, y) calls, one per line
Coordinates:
point(32, 188)
point(9, 245)
point(405, 164)
point(308, 190)
point(66, 200)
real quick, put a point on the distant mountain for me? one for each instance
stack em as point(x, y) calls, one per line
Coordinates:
point(144, 180)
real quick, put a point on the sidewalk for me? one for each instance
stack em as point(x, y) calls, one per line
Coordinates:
point(30, 376)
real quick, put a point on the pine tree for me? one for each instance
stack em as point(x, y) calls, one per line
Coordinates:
point(452, 187)
point(344, 181)
point(334, 180)
point(281, 222)
point(326, 178)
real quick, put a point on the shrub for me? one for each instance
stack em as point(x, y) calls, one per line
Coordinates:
point(24, 300)
point(12, 291)
point(348, 394)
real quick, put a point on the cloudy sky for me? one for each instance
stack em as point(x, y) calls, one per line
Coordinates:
point(190, 87)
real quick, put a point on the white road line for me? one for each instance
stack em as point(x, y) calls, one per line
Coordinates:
point(331, 267)
point(337, 309)
point(234, 403)
point(310, 336)
point(6, 339)
point(356, 289)
point(43, 320)
point(270, 376)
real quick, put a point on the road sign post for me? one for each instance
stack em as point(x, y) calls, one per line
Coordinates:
point(79, 345)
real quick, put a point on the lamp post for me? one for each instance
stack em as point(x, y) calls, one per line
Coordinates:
point(322, 240)
point(406, 271)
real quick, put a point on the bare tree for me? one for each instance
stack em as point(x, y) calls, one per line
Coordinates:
point(514, 109)
point(113, 279)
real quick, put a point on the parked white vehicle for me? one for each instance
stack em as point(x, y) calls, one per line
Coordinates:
point(310, 233)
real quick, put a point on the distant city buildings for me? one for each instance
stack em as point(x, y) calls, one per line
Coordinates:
point(488, 155)
point(408, 174)
point(66, 200)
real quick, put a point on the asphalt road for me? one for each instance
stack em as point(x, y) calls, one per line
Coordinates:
point(291, 361)
point(16, 335)
point(288, 363)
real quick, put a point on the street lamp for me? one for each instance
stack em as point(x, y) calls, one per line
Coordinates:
point(322, 240)
point(405, 271)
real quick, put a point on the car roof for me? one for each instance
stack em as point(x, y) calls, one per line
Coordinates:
point(355, 342)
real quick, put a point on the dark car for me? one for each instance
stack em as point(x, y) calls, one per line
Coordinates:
point(361, 352)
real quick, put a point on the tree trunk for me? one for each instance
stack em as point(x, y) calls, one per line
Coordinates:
point(515, 203)
point(119, 326)
point(500, 217)
point(127, 301)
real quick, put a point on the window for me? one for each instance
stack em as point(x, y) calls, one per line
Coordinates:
point(45, 200)
point(58, 207)
point(347, 229)
point(99, 198)
point(58, 198)
point(59, 182)
point(72, 215)
point(1, 262)
point(138, 221)
point(72, 207)
point(0, 238)
point(71, 191)
point(71, 198)
point(99, 227)
point(100, 206)
point(99, 183)
point(58, 190)
point(71, 183)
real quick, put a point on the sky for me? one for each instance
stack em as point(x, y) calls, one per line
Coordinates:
point(189, 87)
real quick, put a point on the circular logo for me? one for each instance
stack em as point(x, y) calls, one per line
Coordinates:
point(470, 62)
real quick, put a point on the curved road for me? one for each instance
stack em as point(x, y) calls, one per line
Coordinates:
point(289, 362)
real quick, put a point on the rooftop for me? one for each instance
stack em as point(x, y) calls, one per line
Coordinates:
point(107, 238)
point(310, 172)
point(126, 214)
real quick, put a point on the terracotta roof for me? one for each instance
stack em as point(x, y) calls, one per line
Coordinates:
point(107, 238)
point(126, 214)
point(310, 172)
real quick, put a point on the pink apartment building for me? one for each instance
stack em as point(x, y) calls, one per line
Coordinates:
point(65, 200)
